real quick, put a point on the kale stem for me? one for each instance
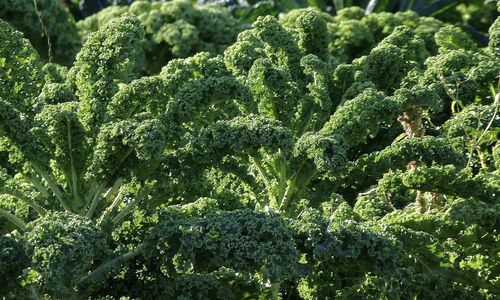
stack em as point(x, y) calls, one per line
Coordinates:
point(289, 189)
point(37, 184)
point(94, 202)
point(40, 210)
point(117, 200)
point(77, 201)
point(53, 186)
point(258, 162)
point(109, 264)
point(140, 195)
point(283, 176)
point(13, 219)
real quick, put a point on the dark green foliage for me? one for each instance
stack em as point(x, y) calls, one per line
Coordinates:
point(318, 157)
point(174, 29)
point(448, 180)
point(494, 44)
point(18, 60)
point(13, 261)
point(428, 150)
point(361, 117)
point(475, 16)
point(373, 207)
point(201, 251)
point(97, 70)
point(245, 134)
point(243, 241)
point(341, 254)
point(63, 247)
point(52, 22)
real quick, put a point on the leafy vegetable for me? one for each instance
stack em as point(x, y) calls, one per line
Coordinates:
point(317, 157)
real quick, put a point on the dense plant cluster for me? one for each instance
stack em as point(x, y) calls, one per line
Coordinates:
point(48, 25)
point(181, 155)
point(173, 29)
